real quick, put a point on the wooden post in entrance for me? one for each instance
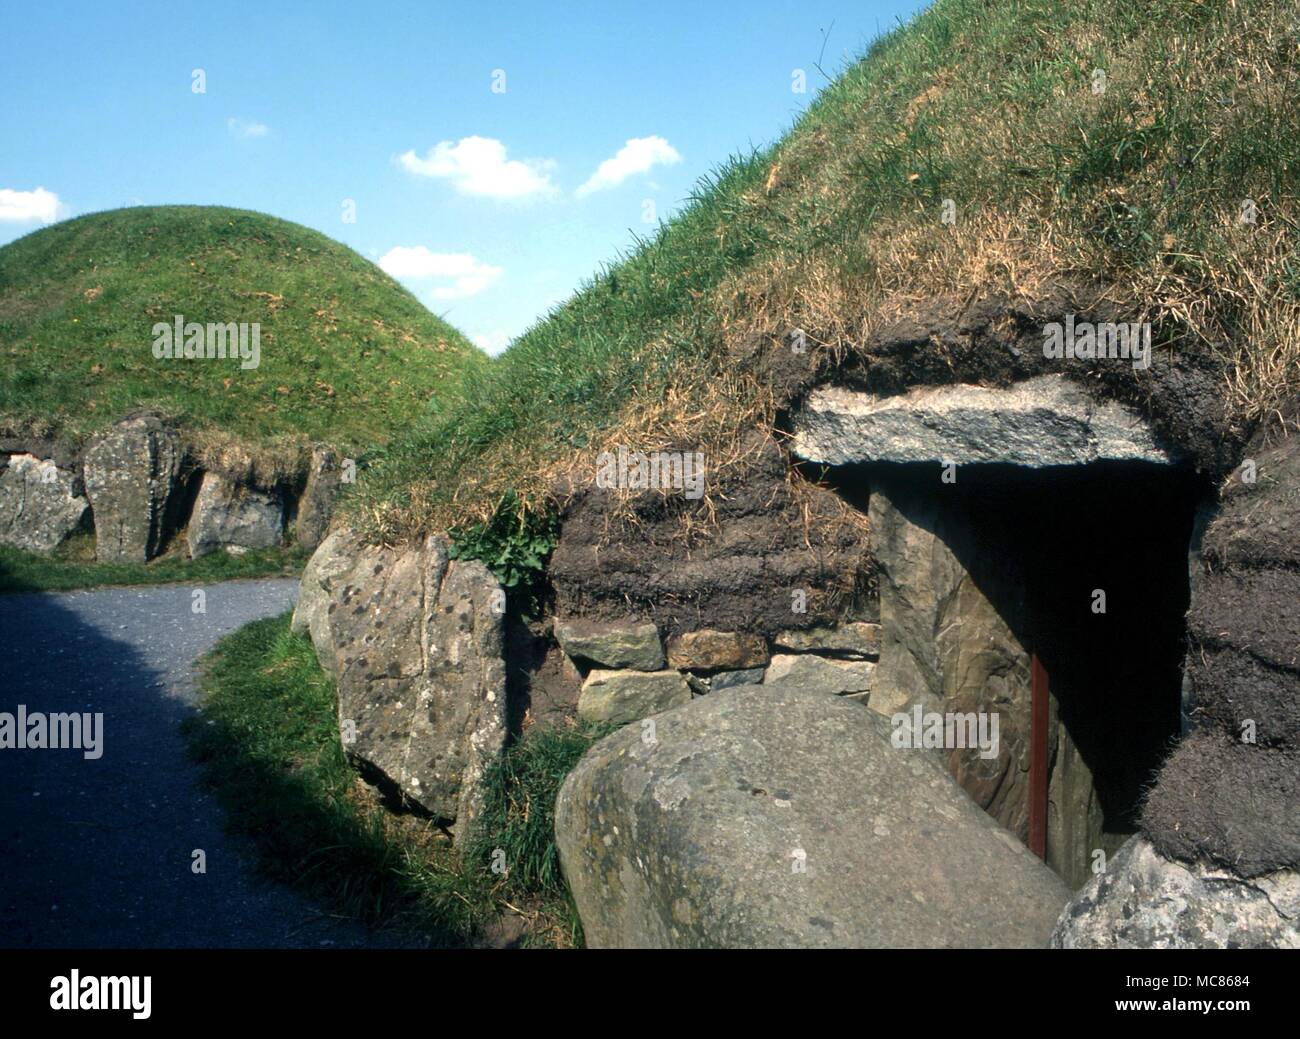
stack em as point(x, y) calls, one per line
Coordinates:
point(1038, 757)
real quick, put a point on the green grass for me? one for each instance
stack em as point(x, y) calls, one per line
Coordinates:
point(347, 354)
point(268, 741)
point(72, 566)
point(836, 229)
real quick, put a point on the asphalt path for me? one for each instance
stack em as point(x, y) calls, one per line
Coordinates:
point(98, 852)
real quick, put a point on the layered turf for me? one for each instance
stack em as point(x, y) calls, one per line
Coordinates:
point(1101, 140)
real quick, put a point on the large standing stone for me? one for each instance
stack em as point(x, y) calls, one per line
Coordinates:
point(612, 644)
point(40, 504)
point(232, 518)
point(1044, 421)
point(618, 697)
point(707, 650)
point(131, 474)
point(772, 816)
point(318, 496)
point(418, 651)
point(1145, 901)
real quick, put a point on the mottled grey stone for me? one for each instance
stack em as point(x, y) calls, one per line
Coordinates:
point(857, 639)
point(1044, 421)
point(232, 518)
point(318, 496)
point(418, 647)
point(820, 674)
point(131, 473)
point(331, 560)
point(728, 679)
point(617, 697)
point(770, 816)
point(611, 644)
point(40, 504)
point(1145, 901)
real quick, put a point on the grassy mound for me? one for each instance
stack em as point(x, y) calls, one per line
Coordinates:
point(347, 354)
point(1133, 179)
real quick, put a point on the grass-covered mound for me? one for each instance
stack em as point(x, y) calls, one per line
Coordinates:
point(346, 354)
point(1136, 182)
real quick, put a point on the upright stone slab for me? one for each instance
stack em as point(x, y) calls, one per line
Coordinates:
point(231, 518)
point(131, 473)
point(770, 816)
point(40, 504)
point(317, 502)
point(418, 646)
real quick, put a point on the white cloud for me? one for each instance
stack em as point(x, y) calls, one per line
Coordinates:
point(461, 273)
point(493, 342)
point(636, 156)
point(21, 207)
point(246, 127)
point(478, 166)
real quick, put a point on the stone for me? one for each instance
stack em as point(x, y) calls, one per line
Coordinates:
point(418, 646)
point(833, 677)
point(232, 518)
point(618, 697)
point(132, 474)
point(332, 559)
point(1145, 901)
point(720, 680)
point(857, 639)
point(708, 650)
point(611, 644)
point(773, 816)
point(1044, 421)
point(40, 504)
point(318, 496)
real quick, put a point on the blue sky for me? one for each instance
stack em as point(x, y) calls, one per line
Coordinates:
point(496, 153)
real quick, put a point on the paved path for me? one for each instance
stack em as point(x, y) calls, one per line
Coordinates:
point(97, 853)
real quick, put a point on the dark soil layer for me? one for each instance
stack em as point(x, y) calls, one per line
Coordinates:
point(1230, 792)
point(733, 560)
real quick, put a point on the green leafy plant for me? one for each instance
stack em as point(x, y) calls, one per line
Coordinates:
point(514, 544)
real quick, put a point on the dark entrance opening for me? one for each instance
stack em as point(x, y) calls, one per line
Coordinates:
point(1083, 567)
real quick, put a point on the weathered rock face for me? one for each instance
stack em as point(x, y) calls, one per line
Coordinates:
point(1145, 901)
point(316, 505)
point(131, 473)
point(708, 650)
point(756, 553)
point(331, 560)
point(40, 504)
point(856, 640)
point(821, 674)
point(234, 519)
point(1230, 792)
point(947, 647)
point(1044, 421)
point(618, 697)
point(770, 816)
point(625, 644)
point(417, 644)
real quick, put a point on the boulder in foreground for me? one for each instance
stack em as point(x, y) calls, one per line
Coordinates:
point(1145, 901)
point(774, 816)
